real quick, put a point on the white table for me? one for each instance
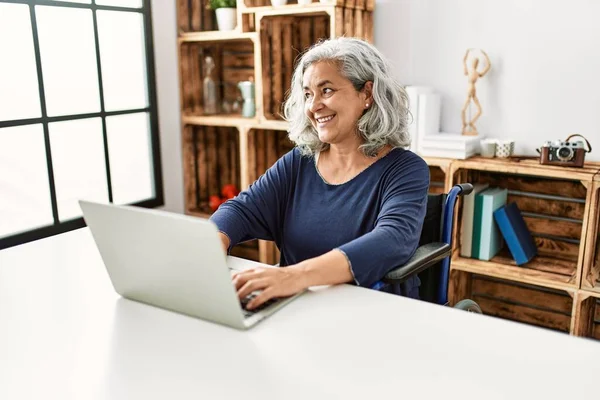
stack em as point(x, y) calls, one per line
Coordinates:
point(65, 334)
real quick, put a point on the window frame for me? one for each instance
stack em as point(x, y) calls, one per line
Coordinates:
point(59, 227)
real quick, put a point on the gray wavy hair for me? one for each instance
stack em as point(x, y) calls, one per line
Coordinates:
point(386, 122)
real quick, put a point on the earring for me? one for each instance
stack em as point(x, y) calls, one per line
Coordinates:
point(367, 105)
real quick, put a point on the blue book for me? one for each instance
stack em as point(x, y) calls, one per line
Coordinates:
point(515, 232)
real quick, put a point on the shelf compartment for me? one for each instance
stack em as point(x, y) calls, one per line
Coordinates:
point(282, 40)
point(234, 62)
point(264, 148)
point(195, 16)
point(555, 211)
point(211, 160)
point(519, 302)
point(591, 267)
point(587, 320)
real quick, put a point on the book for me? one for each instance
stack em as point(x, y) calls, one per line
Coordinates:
point(413, 93)
point(429, 116)
point(487, 239)
point(468, 210)
point(457, 154)
point(515, 232)
point(451, 141)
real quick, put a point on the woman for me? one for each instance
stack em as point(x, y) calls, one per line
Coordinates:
point(347, 204)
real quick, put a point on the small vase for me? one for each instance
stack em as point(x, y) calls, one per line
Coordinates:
point(278, 2)
point(226, 18)
point(304, 2)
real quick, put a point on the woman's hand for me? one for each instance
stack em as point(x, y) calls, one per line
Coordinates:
point(271, 282)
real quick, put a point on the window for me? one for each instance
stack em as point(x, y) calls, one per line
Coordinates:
point(78, 115)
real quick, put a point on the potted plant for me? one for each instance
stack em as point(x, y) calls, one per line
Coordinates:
point(226, 14)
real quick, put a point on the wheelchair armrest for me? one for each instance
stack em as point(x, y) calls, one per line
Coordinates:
point(425, 256)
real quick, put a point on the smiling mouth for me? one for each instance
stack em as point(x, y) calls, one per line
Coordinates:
point(324, 120)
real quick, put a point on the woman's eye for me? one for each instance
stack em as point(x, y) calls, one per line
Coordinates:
point(306, 95)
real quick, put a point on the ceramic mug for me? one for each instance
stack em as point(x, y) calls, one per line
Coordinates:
point(505, 148)
point(488, 148)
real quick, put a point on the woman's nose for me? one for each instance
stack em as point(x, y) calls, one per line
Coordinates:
point(315, 104)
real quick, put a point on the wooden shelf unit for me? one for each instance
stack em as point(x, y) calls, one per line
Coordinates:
point(227, 148)
point(587, 312)
point(591, 268)
point(559, 205)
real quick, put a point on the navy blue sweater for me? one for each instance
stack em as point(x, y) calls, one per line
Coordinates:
point(375, 218)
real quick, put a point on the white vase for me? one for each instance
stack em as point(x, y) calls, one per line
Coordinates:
point(304, 2)
point(226, 18)
point(278, 2)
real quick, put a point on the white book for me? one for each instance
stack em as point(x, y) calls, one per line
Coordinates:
point(471, 148)
point(452, 141)
point(429, 116)
point(413, 93)
point(468, 209)
point(456, 154)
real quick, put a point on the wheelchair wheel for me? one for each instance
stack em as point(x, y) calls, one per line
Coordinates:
point(468, 306)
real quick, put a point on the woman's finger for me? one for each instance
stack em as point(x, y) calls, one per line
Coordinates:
point(252, 285)
point(261, 298)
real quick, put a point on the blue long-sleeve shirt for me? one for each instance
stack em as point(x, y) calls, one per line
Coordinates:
point(375, 219)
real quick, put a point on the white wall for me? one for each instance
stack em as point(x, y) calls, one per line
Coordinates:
point(167, 86)
point(545, 78)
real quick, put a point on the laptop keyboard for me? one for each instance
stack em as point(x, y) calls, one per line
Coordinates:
point(246, 300)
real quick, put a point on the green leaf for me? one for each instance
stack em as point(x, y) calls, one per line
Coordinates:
point(214, 4)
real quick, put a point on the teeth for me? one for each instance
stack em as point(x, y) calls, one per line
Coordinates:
point(325, 119)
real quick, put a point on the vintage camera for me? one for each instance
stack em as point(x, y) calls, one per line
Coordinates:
point(564, 152)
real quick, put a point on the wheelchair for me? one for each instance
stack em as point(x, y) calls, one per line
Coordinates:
point(431, 261)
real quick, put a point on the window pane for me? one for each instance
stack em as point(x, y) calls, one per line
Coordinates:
point(19, 94)
point(25, 200)
point(130, 157)
point(120, 3)
point(121, 36)
point(78, 161)
point(68, 60)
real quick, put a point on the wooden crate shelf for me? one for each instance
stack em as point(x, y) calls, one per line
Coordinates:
point(555, 206)
point(591, 268)
point(226, 147)
point(195, 16)
point(255, 5)
point(234, 61)
point(211, 160)
point(530, 304)
point(283, 38)
point(587, 315)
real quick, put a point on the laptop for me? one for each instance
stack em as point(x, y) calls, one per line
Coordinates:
point(172, 261)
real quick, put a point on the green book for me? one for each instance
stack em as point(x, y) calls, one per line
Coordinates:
point(490, 239)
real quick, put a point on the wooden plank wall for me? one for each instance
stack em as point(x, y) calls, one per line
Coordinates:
point(194, 16)
point(282, 40)
point(211, 159)
point(555, 222)
point(523, 303)
point(234, 63)
point(265, 147)
point(595, 333)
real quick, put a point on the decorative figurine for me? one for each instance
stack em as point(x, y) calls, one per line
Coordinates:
point(473, 76)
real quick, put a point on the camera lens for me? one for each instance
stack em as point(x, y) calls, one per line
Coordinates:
point(564, 153)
